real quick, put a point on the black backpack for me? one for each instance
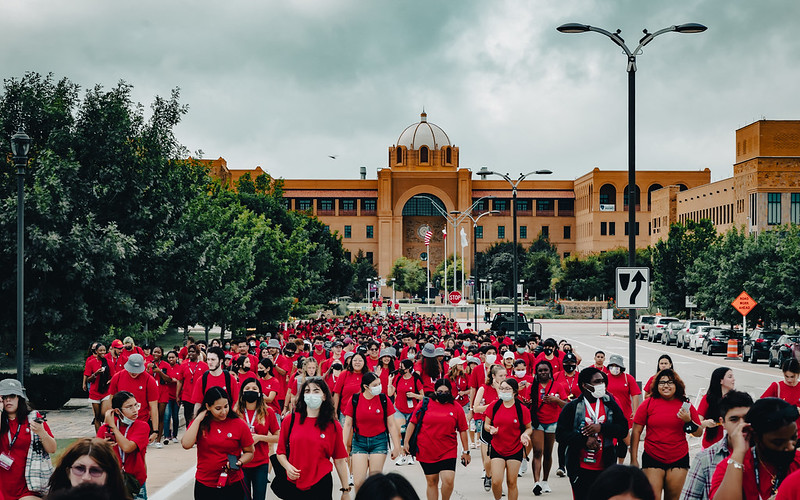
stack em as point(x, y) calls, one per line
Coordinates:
point(384, 404)
point(227, 387)
point(486, 436)
point(413, 448)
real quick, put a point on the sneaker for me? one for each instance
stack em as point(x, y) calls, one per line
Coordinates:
point(523, 468)
point(175, 440)
point(401, 460)
point(487, 483)
point(560, 472)
point(473, 445)
point(166, 440)
point(545, 487)
point(537, 489)
point(409, 460)
point(159, 445)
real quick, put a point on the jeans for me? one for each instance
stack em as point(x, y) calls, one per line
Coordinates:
point(171, 413)
point(142, 495)
point(255, 478)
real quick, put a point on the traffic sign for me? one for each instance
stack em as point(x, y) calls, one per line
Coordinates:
point(744, 303)
point(455, 297)
point(633, 287)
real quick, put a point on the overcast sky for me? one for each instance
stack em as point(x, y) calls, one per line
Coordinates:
point(285, 83)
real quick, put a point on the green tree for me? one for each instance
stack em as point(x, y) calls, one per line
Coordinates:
point(580, 278)
point(409, 276)
point(364, 269)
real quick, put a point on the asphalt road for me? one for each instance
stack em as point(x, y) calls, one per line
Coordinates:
point(586, 338)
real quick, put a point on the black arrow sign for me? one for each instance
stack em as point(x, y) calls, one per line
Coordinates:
point(638, 279)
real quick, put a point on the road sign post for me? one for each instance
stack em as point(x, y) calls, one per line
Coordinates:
point(744, 303)
point(455, 297)
point(633, 287)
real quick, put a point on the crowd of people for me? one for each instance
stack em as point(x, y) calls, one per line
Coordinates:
point(346, 394)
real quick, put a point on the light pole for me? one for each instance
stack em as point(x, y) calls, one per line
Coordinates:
point(20, 144)
point(483, 172)
point(393, 294)
point(369, 290)
point(631, 56)
point(475, 260)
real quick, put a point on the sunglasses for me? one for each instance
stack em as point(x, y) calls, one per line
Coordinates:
point(80, 470)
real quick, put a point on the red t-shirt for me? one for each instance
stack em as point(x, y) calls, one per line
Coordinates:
point(507, 440)
point(172, 372)
point(477, 378)
point(750, 488)
point(272, 385)
point(139, 433)
point(216, 381)
point(402, 386)
point(488, 399)
point(92, 365)
point(268, 426)
point(790, 487)
point(461, 383)
point(570, 384)
point(349, 383)
point(427, 382)
point(624, 387)
point(524, 393)
point(116, 364)
point(370, 419)
point(286, 364)
point(143, 388)
point(13, 479)
point(163, 387)
point(229, 436)
point(596, 461)
point(310, 448)
point(372, 363)
point(665, 440)
point(787, 393)
point(321, 357)
point(189, 375)
point(437, 437)
point(548, 412)
point(702, 410)
point(648, 386)
point(555, 362)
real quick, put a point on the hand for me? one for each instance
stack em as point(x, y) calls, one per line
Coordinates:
point(467, 459)
point(740, 437)
point(492, 430)
point(708, 423)
point(201, 415)
point(591, 430)
point(293, 473)
point(685, 416)
point(406, 451)
point(178, 402)
point(109, 419)
point(153, 437)
point(593, 443)
point(37, 427)
point(523, 384)
point(345, 495)
point(525, 440)
point(395, 453)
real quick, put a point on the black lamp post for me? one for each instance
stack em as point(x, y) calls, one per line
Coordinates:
point(483, 172)
point(475, 274)
point(631, 55)
point(20, 144)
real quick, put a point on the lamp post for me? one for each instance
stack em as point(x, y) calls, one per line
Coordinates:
point(475, 260)
point(20, 144)
point(393, 294)
point(483, 172)
point(369, 290)
point(631, 56)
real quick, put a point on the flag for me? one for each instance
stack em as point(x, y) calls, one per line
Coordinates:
point(464, 241)
point(428, 237)
point(444, 233)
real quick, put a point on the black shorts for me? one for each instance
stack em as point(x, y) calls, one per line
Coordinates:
point(514, 456)
point(436, 467)
point(649, 462)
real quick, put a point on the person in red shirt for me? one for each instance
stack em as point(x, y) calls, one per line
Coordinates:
point(406, 388)
point(307, 367)
point(269, 385)
point(599, 361)
point(96, 377)
point(171, 415)
point(219, 433)
point(17, 427)
point(626, 391)
point(373, 358)
point(310, 438)
point(509, 424)
point(569, 379)
point(722, 382)
point(189, 375)
point(263, 425)
point(788, 389)
point(129, 435)
point(114, 358)
point(764, 454)
point(349, 383)
point(157, 368)
point(549, 397)
point(129, 347)
point(484, 398)
point(319, 350)
point(367, 429)
point(668, 416)
point(664, 363)
point(550, 354)
point(134, 380)
point(215, 377)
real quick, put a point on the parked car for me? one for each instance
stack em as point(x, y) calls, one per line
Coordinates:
point(642, 324)
point(757, 344)
point(696, 339)
point(505, 321)
point(786, 347)
point(670, 333)
point(716, 340)
point(658, 326)
point(687, 330)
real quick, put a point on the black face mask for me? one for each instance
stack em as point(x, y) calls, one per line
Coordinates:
point(443, 398)
point(780, 459)
point(262, 373)
point(548, 351)
point(250, 396)
point(569, 368)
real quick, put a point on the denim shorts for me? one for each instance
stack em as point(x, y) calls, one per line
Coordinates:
point(547, 428)
point(375, 445)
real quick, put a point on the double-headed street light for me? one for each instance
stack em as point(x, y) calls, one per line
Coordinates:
point(483, 172)
point(475, 260)
point(20, 145)
point(631, 55)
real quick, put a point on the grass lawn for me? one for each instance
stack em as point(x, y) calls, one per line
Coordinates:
point(63, 444)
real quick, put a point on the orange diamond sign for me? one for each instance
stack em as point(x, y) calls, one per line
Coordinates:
point(744, 303)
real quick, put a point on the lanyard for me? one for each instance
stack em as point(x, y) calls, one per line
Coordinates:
point(570, 385)
point(16, 435)
point(775, 481)
point(251, 422)
point(122, 453)
point(594, 413)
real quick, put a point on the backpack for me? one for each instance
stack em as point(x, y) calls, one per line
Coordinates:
point(227, 387)
point(413, 448)
point(486, 436)
point(384, 404)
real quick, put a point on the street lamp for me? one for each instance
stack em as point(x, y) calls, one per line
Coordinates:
point(393, 295)
point(631, 55)
point(475, 260)
point(483, 172)
point(20, 145)
point(369, 290)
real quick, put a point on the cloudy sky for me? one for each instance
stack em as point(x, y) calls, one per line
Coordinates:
point(285, 83)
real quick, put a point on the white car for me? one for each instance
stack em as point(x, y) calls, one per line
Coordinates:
point(696, 339)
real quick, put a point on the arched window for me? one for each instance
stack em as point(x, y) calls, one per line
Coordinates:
point(423, 205)
point(399, 155)
point(636, 198)
point(654, 187)
point(449, 156)
point(608, 198)
point(423, 154)
point(683, 187)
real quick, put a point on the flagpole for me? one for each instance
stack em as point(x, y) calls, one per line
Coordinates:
point(428, 275)
point(444, 240)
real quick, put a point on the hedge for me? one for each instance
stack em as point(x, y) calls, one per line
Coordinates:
point(52, 389)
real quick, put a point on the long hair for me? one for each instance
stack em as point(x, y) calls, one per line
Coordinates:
point(680, 387)
point(364, 368)
point(22, 414)
point(211, 396)
point(431, 367)
point(261, 406)
point(664, 356)
point(492, 372)
point(713, 397)
point(367, 379)
point(454, 373)
point(99, 451)
point(105, 376)
point(327, 415)
point(386, 487)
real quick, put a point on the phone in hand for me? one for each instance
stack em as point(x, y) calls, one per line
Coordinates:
point(685, 406)
point(232, 459)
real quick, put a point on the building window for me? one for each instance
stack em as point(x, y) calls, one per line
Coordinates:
point(626, 229)
point(480, 206)
point(349, 205)
point(449, 155)
point(501, 205)
point(523, 232)
point(603, 229)
point(753, 209)
point(567, 232)
point(612, 228)
point(423, 154)
point(348, 231)
point(523, 205)
point(304, 204)
point(369, 257)
point(326, 205)
point(773, 209)
point(566, 255)
point(501, 231)
point(794, 209)
point(348, 256)
point(398, 155)
point(369, 205)
point(478, 232)
point(370, 231)
point(566, 207)
point(545, 231)
point(545, 207)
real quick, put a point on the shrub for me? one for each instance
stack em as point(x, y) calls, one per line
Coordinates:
point(502, 300)
point(46, 391)
point(72, 373)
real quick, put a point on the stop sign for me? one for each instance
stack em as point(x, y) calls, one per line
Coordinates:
point(455, 297)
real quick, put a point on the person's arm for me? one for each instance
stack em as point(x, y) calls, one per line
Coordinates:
point(341, 469)
point(390, 391)
point(248, 452)
point(48, 442)
point(190, 436)
point(635, 437)
point(347, 432)
point(409, 432)
point(394, 432)
point(335, 403)
point(477, 407)
point(636, 400)
point(731, 486)
point(270, 397)
point(178, 389)
point(154, 419)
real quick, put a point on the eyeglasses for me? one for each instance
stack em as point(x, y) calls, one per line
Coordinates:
point(373, 349)
point(135, 406)
point(666, 382)
point(9, 397)
point(80, 470)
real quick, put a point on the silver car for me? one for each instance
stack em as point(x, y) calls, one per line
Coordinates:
point(696, 339)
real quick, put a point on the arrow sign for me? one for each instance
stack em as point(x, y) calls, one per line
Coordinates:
point(633, 287)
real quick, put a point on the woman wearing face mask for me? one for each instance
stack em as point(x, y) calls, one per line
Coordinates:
point(764, 454)
point(130, 435)
point(263, 425)
point(128, 348)
point(368, 427)
point(308, 367)
point(484, 398)
point(664, 363)
point(270, 385)
point(549, 397)
point(349, 383)
point(509, 423)
point(550, 354)
point(407, 391)
point(88, 461)
point(310, 438)
point(587, 427)
point(221, 437)
point(668, 417)
point(96, 376)
point(171, 416)
point(440, 426)
point(569, 379)
point(627, 393)
point(721, 383)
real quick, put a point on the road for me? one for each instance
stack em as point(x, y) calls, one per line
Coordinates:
point(586, 338)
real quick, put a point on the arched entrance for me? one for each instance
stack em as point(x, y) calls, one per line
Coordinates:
point(423, 213)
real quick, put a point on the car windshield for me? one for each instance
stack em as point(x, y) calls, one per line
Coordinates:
point(771, 336)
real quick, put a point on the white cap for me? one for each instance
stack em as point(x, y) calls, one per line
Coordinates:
point(508, 355)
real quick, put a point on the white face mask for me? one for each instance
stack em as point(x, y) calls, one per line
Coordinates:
point(465, 344)
point(313, 401)
point(599, 391)
point(615, 370)
point(125, 420)
point(411, 355)
point(519, 373)
point(375, 390)
point(491, 358)
point(505, 396)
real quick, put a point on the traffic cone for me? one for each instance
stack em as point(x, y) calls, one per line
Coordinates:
point(733, 349)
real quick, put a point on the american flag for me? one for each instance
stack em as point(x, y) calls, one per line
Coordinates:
point(428, 237)
point(444, 233)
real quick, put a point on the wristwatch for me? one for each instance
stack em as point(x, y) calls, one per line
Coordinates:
point(465, 452)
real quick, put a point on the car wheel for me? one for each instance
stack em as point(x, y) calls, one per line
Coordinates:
point(753, 357)
point(744, 356)
point(771, 360)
